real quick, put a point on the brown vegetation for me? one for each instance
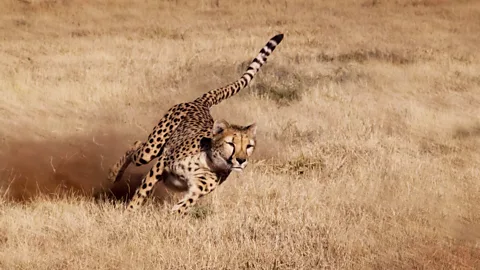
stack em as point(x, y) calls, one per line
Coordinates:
point(369, 133)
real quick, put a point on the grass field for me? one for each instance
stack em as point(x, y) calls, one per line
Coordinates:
point(368, 117)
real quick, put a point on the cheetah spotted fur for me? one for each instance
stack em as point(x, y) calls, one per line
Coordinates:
point(194, 152)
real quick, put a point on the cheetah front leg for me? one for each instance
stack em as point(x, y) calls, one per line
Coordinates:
point(153, 146)
point(148, 182)
point(201, 185)
point(142, 153)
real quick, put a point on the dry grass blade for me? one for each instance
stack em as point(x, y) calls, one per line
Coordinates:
point(368, 116)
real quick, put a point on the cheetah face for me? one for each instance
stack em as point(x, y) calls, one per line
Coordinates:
point(233, 144)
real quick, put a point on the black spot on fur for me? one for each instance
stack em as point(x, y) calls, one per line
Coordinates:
point(147, 150)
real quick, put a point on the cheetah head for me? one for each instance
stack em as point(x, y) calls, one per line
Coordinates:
point(231, 145)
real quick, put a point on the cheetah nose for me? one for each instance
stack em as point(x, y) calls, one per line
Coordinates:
point(241, 160)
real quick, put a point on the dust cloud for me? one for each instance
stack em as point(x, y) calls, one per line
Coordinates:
point(75, 166)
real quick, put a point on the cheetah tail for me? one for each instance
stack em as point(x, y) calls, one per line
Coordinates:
point(216, 96)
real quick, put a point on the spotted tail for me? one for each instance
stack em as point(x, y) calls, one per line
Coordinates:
point(216, 96)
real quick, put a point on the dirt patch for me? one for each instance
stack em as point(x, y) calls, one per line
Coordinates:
point(363, 56)
point(77, 165)
point(467, 132)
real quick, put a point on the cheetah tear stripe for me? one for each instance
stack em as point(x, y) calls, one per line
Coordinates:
point(216, 96)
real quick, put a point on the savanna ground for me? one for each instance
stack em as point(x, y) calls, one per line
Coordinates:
point(369, 133)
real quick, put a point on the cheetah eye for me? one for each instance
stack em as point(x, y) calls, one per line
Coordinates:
point(231, 144)
point(249, 146)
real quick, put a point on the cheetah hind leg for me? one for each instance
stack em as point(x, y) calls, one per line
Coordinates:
point(117, 170)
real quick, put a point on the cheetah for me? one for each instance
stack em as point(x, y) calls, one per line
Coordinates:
point(195, 153)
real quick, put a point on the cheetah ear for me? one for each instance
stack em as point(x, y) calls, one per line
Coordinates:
point(252, 129)
point(219, 126)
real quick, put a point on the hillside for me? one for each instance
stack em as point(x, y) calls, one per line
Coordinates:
point(368, 121)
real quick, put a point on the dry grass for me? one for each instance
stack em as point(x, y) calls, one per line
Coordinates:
point(369, 138)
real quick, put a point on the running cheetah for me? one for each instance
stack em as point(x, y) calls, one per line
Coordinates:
point(194, 152)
